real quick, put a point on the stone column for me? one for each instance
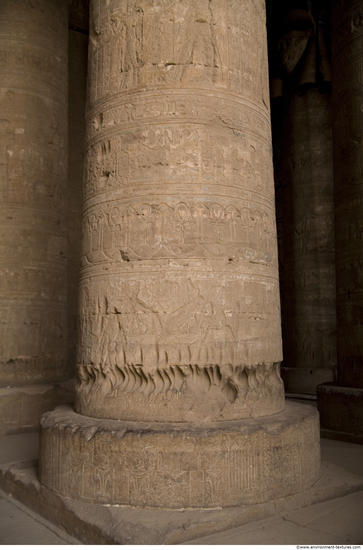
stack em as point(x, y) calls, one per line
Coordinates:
point(179, 301)
point(308, 268)
point(77, 73)
point(33, 171)
point(303, 161)
point(179, 287)
point(341, 405)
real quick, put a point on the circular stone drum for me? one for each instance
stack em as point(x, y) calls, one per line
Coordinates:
point(177, 466)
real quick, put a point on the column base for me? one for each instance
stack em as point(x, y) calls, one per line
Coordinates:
point(341, 412)
point(178, 466)
point(22, 406)
point(305, 380)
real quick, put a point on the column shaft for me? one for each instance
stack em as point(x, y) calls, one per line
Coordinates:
point(179, 286)
point(308, 269)
point(347, 64)
point(341, 405)
point(33, 171)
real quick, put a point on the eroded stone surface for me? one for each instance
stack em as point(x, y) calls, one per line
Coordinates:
point(179, 311)
point(180, 465)
point(33, 171)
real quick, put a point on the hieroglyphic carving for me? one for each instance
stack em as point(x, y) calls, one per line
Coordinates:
point(173, 154)
point(205, 230)
point(168, 44)
point(191, 313)
point(143, 338)
point(179, 260)
point(158, 467)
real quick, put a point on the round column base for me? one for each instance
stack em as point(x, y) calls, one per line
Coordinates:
point(166, 465)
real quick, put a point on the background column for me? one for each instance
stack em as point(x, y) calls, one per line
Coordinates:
point(33, 172)
point(77, 73)
point(341, 405)
point(303, 162)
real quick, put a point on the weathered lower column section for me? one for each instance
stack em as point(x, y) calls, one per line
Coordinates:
point(33, 171)
point(341, 406)
point(179, 310)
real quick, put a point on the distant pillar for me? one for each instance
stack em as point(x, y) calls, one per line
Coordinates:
point(341, 405)
point(308, 267)
point(33, 172)
point(77, 72)
point(303, 162)
point(179, 401)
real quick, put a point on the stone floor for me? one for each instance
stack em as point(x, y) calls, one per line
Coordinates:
point(335, 521)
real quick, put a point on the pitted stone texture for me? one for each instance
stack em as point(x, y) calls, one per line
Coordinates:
point(180, 465)
point(179, 286)
point(33, 172)
point(347, 63)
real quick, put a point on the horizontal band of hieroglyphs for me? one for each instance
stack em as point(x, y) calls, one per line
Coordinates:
point(152, 230)
point(177, 155)
point(173, 106)
point(222, 45)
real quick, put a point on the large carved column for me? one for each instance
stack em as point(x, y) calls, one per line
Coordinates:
point(33, 171)
point(179, 290)
point(341, 405)
point(180, 341)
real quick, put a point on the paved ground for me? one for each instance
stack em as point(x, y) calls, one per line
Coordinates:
point(19, 525)
point(334, 522)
